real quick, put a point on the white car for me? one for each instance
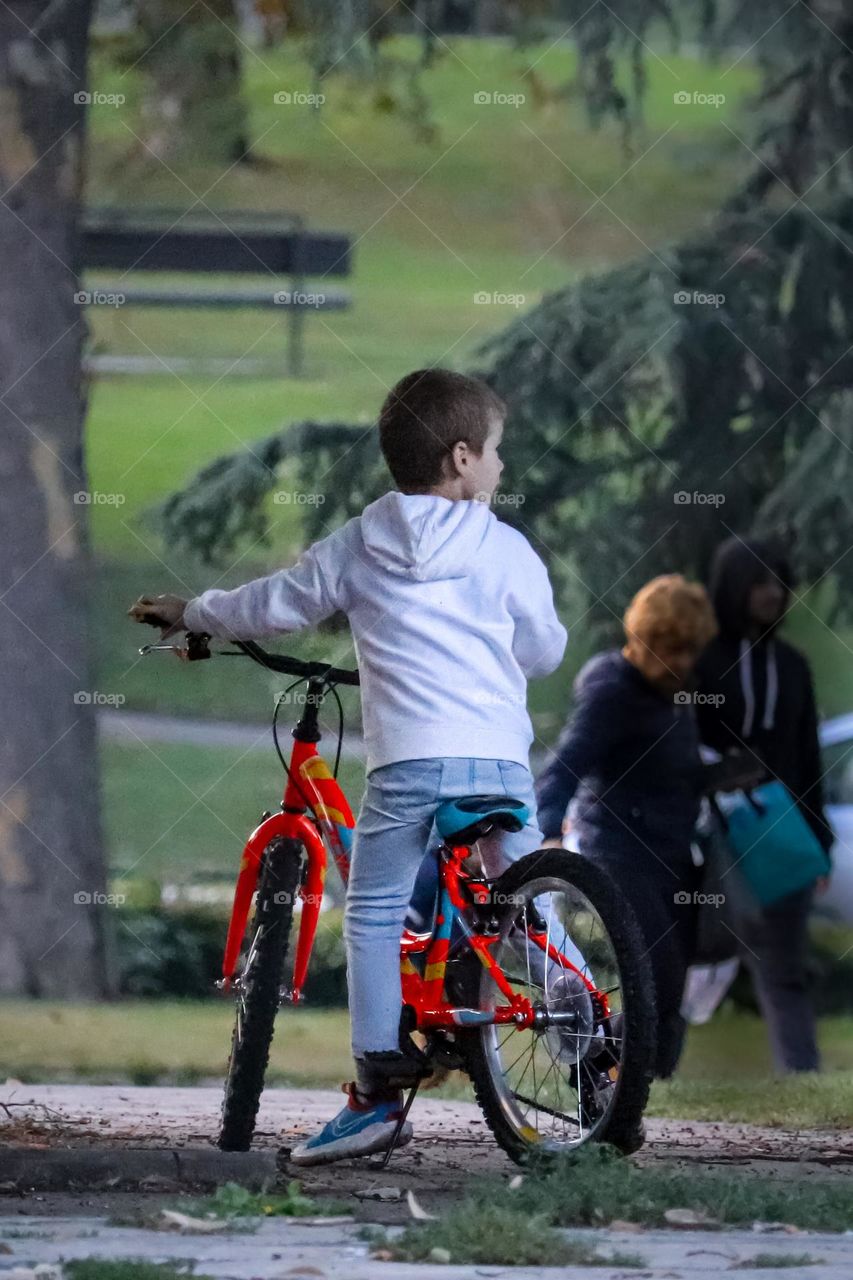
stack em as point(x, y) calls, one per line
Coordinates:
point(836, 741)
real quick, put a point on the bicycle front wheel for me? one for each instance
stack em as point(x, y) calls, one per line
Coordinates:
point(583, 1073)
point(258, 991)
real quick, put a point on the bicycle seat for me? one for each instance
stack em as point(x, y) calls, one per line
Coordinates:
point(466, 820)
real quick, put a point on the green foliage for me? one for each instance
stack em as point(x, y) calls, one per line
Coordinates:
point(613, 425)
point(496, 1223)
point(771, 1261)
point(226, 504)
point(479, 1233)
point(127, 1269)
point(190, 60)
point(235, 1201)
point(596, 1184)
point(167, 953)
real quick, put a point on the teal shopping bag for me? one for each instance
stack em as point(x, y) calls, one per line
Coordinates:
point(775, 849)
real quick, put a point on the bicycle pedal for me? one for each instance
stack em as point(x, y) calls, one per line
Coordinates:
point(396, 1070)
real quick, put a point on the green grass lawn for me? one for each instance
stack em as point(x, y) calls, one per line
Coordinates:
point(175, 813)
point(725, 1073)
point(178, 1040)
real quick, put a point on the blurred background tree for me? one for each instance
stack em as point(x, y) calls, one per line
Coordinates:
point(189, 58)
point(717, 366)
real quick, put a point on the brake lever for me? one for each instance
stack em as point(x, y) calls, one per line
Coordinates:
point(195, 650)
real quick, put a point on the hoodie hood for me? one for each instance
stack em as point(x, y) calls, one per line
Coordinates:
point(737, 567)
point(424, 537)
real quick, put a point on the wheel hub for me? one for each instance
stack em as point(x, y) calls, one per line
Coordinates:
point(568, 1017)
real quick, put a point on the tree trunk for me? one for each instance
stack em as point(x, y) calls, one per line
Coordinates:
point(193, 107)
point(52, 876)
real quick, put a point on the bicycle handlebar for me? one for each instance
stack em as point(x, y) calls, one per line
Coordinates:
point(197, 648)
point(295, 666)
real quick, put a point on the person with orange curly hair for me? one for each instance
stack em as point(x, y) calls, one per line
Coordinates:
point(629, 762)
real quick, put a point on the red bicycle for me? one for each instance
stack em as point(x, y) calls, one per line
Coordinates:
point(536, 983)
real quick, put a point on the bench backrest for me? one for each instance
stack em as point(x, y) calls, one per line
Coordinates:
point(243, 242)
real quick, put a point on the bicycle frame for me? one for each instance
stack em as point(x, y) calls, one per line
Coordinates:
point(312, 788)
point(425, 993)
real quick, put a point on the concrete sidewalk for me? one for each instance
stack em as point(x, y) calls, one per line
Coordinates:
point(312, 1249)
point(450, 1135)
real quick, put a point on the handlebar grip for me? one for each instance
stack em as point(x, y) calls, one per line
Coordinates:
point(198, 646)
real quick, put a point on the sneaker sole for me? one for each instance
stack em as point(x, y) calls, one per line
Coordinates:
point(349, 1148)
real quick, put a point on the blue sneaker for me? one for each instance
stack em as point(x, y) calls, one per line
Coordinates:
point(359, 1129)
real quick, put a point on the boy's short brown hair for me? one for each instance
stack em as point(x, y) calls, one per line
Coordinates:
point(425, 415)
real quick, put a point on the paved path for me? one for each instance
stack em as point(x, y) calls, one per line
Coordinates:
point(312, 1250)
point(451, 1137)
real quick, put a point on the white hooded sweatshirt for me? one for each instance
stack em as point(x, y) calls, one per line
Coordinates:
point(450, 611)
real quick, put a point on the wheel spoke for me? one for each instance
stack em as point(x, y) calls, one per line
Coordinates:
point(521, 981)
point(551, 1111)
point(527, 1067)
point(506, 1070)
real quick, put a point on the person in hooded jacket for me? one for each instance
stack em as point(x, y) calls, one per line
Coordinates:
point(756, 694)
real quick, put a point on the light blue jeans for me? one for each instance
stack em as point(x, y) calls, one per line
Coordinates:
point(394, 831)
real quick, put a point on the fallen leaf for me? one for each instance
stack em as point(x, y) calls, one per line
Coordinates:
point(689, 1218)
point(515, 1183)
point(417, 1210)
point(380, 1193)
point(184, 1222)
point(618, 1224)
point(439, 1255)
point(333, 1220)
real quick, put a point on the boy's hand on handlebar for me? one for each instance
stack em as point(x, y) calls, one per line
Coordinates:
point(166, 612)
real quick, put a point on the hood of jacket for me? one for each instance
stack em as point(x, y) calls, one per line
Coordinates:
point(425, 537)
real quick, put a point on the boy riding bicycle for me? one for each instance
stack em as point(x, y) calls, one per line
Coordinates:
point(451, 612)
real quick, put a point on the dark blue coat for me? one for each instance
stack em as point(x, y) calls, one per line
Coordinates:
point(629, 757)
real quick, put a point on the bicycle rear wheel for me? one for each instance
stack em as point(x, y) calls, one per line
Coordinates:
point(258, 991)
point(585, 1076)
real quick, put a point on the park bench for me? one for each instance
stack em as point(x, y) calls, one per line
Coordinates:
point(296, 261)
